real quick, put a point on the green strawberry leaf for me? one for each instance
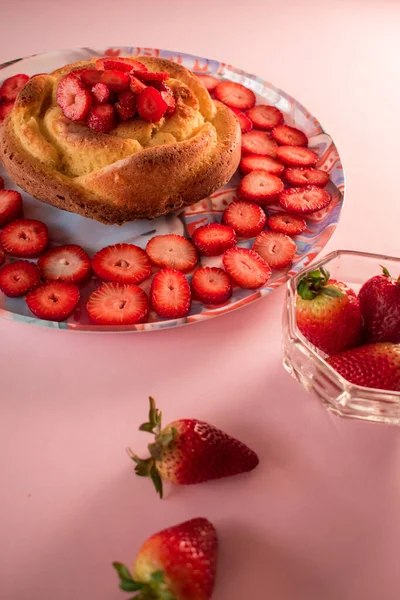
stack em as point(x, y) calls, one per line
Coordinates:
point(123, 571)
point(332, 292)
point(131, 586)
point(157, 481)
point(385, 271)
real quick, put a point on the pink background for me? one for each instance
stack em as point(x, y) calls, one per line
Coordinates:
point(319, 519)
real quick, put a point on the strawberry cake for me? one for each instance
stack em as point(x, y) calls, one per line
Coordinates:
point(118, 140)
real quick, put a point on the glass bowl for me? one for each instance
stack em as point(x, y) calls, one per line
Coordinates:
point(306, 363)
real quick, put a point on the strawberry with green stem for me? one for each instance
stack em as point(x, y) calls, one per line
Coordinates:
point(327, 312)
point(188, 451)
point(178, 563)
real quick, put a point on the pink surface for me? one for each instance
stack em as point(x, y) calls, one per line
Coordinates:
point(319, 518)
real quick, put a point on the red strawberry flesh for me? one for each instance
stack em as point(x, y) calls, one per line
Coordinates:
point(304, 200)
point(235, 95)
point(277, 249)
point(209, 82)
point(260, 143)
point(213, 239)
point(173, 251)
point(24, 238)
point(211, 285)
point(296, 156)
point(170, 294)
point(73, 98)
point(151, 105)
point(254, 162)
point(53, 301)
point(17, 278)
point(68, 263)
point(265, 117)
point(122, 263)
point(299, 176)
point(380, 307)
point(101, 118)
point(10, 206)
point(100, 93)
point(116, 81)
point(260, 187)
point(246, 267)
point(10, 88)
point(285, 223)
point(247, 218)
point(117, 304)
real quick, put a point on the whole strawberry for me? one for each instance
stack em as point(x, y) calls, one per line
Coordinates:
point(188, 451)
point(178, 563)
point(380, 308)
point(327, 312)
point(373, 365)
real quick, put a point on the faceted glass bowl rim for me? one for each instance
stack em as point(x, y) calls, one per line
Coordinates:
point(350, 388)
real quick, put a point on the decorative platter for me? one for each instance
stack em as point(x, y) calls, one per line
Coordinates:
point(68, 228)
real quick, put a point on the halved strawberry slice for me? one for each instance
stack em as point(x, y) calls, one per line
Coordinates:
point(100, 93)
point(211, 285)
point(258, 142)
point(1, 183)
point(284, 223)
point(306, 176)
point(53, 301)
point(10, 206)
point(253, 162)
point(5, 110)
point(122, 263)
point(265, 117)
point(151, 105)
point(126, 105)
point(260, 187)
point(116, 81)
point(304, 200)
point(2, 256)
point(289, 136)
point(169, 100)
point(246, 218)
point(244, 121)
point(213, 239)
point(117, 304)
point(170, 294)
point(120, 64)
point(209, 82)
point(73, 98)
point(17, 278)
point(11, 87)
point(247, 269)
point(68, 263)
point(277, 249)
point(102, 118)
point(235, 95)
point(24, 237)
point(136, 85)
point(89, 77)
point(172, 251)
point(297, 156)
point(149, 77)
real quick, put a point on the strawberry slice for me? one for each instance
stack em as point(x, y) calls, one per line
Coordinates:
point(121, 64)
point(306, 176)
point(126, 105)
point(284, 223)
point(122, 263)
point(213, 239)
point(209, 82)
point(68, 263)
point(235, 95)
point(1, 183)
point(265, 117)
point(73, 98)
point(246, 218)
point(53, 301)
point(253, 162)
point(260, 187)
point(10, 206)
point(304, 200)
point(24, 238)
point(173, 251)
point(17, 278)
point(211, 285)
point(116, 81)
point(258, 142)
point(89, 77)
point(117, 304)
point(169, 100)
point(100, 93)
point(148, 77)
point(102, 118)
point(170, 294)
point(289, 136)
point(244, 121)
point(5, 109)
point(297, 156)
point(247, 269)
point(277, 249)
point(2, 256)
point(151, 105)
point(11, 87)
point(136, 85)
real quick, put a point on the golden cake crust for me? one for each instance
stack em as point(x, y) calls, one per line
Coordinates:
point(139, 170)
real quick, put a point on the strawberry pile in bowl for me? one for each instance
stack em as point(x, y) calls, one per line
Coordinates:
point(232, 248)
point(341, 334)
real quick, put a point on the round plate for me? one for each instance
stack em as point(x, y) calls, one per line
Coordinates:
point(68, 228)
